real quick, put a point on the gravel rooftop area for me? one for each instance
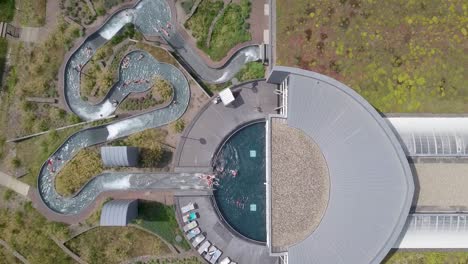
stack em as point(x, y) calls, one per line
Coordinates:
point(299, 185)
point(440, 186)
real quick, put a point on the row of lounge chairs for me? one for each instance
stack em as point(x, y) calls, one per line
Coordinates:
point(193, 233)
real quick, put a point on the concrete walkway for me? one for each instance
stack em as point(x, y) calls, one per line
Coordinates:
point(40, 34)
point(14, 184)
point(215, 122)
point(215, 230)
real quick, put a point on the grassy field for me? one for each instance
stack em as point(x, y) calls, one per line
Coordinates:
point(32, 13)
point(3, 54)
point(77, 172)
point(402, 56)
point(116, 244)
point(7, 10)
point(160, 219)
point(29, 233)
point(7, 258)
point(404, 257)
point(230, 29)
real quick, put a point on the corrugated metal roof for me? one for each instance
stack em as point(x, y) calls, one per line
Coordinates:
point(371, 186)
point(119, 156)
point(432, 136)
point(119, 212)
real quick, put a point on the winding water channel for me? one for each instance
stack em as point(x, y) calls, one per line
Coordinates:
point(150, 17)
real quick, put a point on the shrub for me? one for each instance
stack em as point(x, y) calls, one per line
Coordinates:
point(8, 194)
point(16, 162)
point(179, 126)
point(162, 88)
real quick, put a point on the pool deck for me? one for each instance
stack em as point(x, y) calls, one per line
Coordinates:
point(237, 249)
point(215, 122)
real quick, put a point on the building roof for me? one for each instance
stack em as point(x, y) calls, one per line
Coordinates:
point(118, 212)
point(298, 170)
point(119, 156)
point(435, 231)
point(226, 96)
point(371, 186)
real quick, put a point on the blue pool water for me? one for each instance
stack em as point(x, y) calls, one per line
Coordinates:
point(241, 198)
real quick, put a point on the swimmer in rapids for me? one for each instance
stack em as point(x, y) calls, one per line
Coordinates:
point(233, 173)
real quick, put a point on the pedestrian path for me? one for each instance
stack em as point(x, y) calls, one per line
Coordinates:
point(14, 184)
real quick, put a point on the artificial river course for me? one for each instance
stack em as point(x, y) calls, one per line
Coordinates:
point(150, 17)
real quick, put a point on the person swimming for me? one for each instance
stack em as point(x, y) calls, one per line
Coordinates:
point(233, 173)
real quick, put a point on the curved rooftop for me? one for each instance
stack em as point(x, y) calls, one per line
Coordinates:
point(371, 185)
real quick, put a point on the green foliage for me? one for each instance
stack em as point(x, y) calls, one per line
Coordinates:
point(2, 145)
point(29, 233)
point(32, 12)
point(160, 219)
point(128, 31)
point(200, 22)
point(85, 165)
point(151, 151)
point(7, 10)
point(116, 244)
point(3, 54)
point(79, 11)
point(45, 145)
point(162, 88)
point(8, 194)
point(230, 30)
point(142, 103)
point(251, 71)
point(402, 56)
point(16, 162)
point(179, 126)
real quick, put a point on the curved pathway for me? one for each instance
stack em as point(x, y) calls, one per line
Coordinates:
point(151, 17)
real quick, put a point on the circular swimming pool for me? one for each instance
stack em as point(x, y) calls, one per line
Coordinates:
point(240, 167)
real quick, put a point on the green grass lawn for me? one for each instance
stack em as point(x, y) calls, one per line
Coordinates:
point(402, 56)
point(116, 244)
point(160, 219)
point(407, 257)
point(7, 10)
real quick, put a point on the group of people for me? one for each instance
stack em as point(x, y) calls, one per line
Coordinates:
point(210, 179)
point(165, 29)
point(50, 164)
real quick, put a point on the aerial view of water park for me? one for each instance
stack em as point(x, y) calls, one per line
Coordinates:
point(233, 131)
